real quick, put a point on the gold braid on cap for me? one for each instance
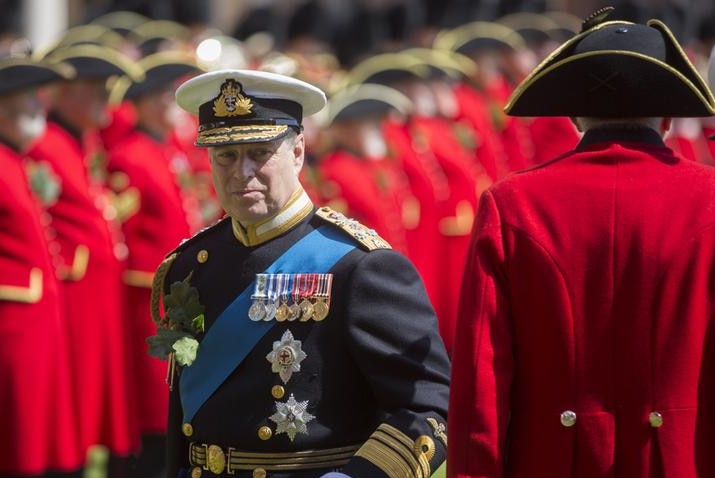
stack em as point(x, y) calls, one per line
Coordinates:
point(157, 288)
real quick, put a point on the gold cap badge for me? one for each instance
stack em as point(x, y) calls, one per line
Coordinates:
point(231, 102)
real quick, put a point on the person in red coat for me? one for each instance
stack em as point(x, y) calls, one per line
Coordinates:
point(36, 401)
point(89, 250)
point(147, 167)
point(435, 139)
point(497, 50)
point(357, 176)
point(585, 343)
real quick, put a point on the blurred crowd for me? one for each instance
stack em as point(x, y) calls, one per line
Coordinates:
point(413, 133)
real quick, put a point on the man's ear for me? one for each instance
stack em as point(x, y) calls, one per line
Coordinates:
point(665, 125)
point(299, 152)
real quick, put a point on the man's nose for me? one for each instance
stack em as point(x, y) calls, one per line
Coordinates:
point(245, 167)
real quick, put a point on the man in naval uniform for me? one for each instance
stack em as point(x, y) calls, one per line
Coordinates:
point(299, 344)
point(585, 345)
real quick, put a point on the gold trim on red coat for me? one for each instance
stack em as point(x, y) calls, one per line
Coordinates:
point(78, 269)
point(461, 223)
point(136, 278)
point(27, 295)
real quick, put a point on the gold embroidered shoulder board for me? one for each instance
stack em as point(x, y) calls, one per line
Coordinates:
point(367, 237)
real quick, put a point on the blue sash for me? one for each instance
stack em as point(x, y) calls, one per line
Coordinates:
point(233, 335)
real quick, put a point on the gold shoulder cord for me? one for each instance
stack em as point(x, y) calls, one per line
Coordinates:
point(157, 288)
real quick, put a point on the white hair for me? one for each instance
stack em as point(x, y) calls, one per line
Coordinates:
point(586, 123)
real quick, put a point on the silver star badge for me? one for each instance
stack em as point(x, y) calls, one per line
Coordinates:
point(291, 417)
point(286, 356)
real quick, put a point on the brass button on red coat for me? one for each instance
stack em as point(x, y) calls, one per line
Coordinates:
point(568, 418)
point(655, 419)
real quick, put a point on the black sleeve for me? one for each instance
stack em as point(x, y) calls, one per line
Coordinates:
point(394, 338)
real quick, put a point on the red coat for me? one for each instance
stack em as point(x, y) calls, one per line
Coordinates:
point(456, 213)
point(689, 137)
point(370, 191)
point(589, 289)
point(158, 215)
point(183, 137)
point(429, 187)
point(36, 403)
point(513, 131)
point(474, 110)
point(551, 136)
point(91, 290)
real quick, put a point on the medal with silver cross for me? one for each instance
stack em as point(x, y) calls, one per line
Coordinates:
point(286, 356)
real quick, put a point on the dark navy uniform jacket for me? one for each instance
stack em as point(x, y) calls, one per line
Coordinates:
point(375, 375)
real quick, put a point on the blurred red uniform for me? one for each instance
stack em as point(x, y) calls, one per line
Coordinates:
point(369, 190)
point(160, 213)
point(433, 135)
point(91, 290)
point(36, 398)
point(552, 136)
point(428, 185)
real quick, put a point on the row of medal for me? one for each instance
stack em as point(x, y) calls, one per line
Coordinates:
point(291, 297)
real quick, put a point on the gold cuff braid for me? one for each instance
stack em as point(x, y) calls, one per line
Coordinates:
point(395, 454)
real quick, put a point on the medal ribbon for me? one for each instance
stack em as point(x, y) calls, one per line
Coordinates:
point(231, 337)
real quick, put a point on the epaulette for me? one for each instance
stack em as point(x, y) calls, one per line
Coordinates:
point(367, 237)
point(157, 285)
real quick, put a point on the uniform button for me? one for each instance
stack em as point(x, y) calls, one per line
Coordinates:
point(202, 256)
point(196, 472)
point(655, 419)
point(187, 429)
point(265, 433)
point(259, 473)
point(568, 418)
point(54, 247)
point(278, 391)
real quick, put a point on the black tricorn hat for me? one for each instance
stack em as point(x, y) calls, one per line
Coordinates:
point(477, 37)
point(160, 70)
point(94, 62)
point(386, 69)
point(615, 69)
point(20, 73)
point(365, 100)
